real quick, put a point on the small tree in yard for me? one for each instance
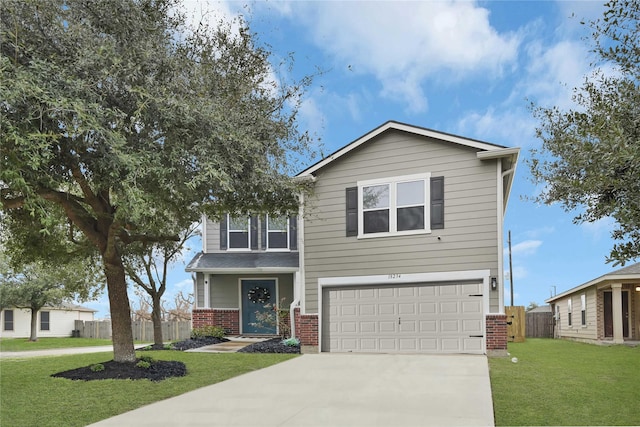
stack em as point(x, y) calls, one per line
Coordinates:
point(147, 266)
point(122, 122)
point(590, 155)
point(36, 285)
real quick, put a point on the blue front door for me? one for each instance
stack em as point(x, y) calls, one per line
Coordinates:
point(258, 300)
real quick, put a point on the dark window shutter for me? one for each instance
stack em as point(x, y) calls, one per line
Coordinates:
point(263, 232)
point(437, 202)
point(293, 233)
point(253, 232)
point(352, 211)
point(223, 233)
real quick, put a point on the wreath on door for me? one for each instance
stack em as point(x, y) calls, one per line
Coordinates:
point(259, 295)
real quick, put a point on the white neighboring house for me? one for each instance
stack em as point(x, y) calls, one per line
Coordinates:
point(56, 321)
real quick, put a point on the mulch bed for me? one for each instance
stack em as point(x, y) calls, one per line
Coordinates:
point(162, 369)
point(158, 371)
point(273, 345)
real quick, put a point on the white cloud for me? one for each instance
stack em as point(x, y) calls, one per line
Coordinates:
point(600, 228)
point(519, 272)
point(402, 44)
point(528, 247)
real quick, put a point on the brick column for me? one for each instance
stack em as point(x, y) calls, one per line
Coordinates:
point(496, 334)
point(228, 319)
point(307, 331)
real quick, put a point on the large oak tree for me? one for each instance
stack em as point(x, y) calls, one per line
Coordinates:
point(121, 119)
point(589, 161)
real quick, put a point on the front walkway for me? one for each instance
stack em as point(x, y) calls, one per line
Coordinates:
point(335, 390)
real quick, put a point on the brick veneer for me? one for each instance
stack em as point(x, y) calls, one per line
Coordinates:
point(496, 332)
point(306, 328)
point(227, 319)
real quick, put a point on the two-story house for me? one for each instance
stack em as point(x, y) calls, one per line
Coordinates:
point(398, 249)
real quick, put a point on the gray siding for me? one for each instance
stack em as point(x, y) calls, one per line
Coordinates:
point(468, 241)
point(199, 290)
point(212, 237)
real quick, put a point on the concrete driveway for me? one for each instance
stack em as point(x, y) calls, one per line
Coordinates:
point(335, 390)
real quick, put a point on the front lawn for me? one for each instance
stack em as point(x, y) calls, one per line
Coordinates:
point(558, 382)
point(23, 344)
point(31, 397)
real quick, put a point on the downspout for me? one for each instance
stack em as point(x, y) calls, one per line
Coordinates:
point(300, 275)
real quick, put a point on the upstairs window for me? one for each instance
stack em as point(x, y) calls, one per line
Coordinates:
point(277, 232)
point(238, 232)
point(44, 321)
point(394, 206)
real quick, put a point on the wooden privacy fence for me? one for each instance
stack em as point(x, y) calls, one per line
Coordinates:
point(515, 323)
point(142, 330)
point(539, 325)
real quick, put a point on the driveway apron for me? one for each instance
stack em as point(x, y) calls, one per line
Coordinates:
point(335, 390)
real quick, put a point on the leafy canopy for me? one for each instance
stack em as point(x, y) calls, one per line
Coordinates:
point(590, 155)
point(123, 122)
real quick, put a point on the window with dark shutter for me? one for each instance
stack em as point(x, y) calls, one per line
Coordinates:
point(352, 211)
point(223, 233)
point(254, 233)
point(293, 233)
point(437, 202)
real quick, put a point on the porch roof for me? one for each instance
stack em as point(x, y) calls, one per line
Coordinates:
point(247, 261)
point(629, 274)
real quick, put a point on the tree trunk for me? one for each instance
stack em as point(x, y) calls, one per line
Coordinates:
point(122, 334)
point(156, 317)
point(34, 325)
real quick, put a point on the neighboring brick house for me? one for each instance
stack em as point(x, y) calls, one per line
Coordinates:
point(603, 310)
point(399, 249)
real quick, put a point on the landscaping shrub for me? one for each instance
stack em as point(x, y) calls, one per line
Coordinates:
point(207, 331)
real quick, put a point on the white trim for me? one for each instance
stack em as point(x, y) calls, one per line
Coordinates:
point(406, 128)
point(498, 153)
point(398, 279)
point(229, 231)
point(253, 270)
point(393, 182)
point(204, 234)
point(207, 290)
point(500, 219)
point(287, 231)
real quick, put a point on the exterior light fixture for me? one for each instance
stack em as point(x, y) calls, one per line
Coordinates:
point(494, 283)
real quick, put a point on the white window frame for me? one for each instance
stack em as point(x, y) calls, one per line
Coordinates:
point(229, 231)
point(583, 311)
point(267, 245)
point(569, 313)
point(13, 320)
point(393, 182)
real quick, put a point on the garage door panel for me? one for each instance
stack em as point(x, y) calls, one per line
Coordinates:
point(450, 307)
point(406, 308)
point(386, 309)
point(431, 318)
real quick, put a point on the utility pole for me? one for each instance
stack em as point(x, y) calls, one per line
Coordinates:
point(510, 269)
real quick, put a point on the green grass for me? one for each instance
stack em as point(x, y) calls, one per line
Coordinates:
point(29, 396)
point(558, 382)
point(23, 344)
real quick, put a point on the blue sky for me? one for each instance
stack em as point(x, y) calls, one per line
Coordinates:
point(470, 68)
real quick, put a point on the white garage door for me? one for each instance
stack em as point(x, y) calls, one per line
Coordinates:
point(417, 318)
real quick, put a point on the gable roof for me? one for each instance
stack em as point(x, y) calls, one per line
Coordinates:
point(630, 273)
point(488, 150)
